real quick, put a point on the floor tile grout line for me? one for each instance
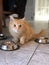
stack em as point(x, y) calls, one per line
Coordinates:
point(33, 54)
point(5, 60)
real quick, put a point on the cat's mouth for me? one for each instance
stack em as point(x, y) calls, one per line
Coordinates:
point(15, 30)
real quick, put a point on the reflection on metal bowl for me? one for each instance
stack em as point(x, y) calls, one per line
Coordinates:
point(3, 37)
point(9, 46)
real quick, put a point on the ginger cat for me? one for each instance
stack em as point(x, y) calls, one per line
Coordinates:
point(21, 30)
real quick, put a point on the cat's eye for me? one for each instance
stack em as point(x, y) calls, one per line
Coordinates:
point(20, 25)
point(14, 25)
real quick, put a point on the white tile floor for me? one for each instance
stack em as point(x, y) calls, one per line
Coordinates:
point(41, 56)
point(31, 53)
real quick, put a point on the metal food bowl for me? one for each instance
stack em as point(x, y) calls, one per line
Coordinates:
point(42, 40)
point(9, 46)
point(2, 36)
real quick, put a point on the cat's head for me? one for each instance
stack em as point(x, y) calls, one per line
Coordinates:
point(17, 24)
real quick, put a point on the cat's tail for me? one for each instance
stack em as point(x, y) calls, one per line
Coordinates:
point(40, 34)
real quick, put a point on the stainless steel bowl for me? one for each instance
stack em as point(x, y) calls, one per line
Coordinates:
point(9, 46)
point(4, 47)
point(42, 40)
point(2, 36)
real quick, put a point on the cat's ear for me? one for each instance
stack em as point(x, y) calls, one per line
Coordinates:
point(23, 18)
point(11, 18)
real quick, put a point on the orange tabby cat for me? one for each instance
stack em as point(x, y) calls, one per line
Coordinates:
point(21, 30)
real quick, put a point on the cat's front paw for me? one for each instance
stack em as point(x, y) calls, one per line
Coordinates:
point(22, 40)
